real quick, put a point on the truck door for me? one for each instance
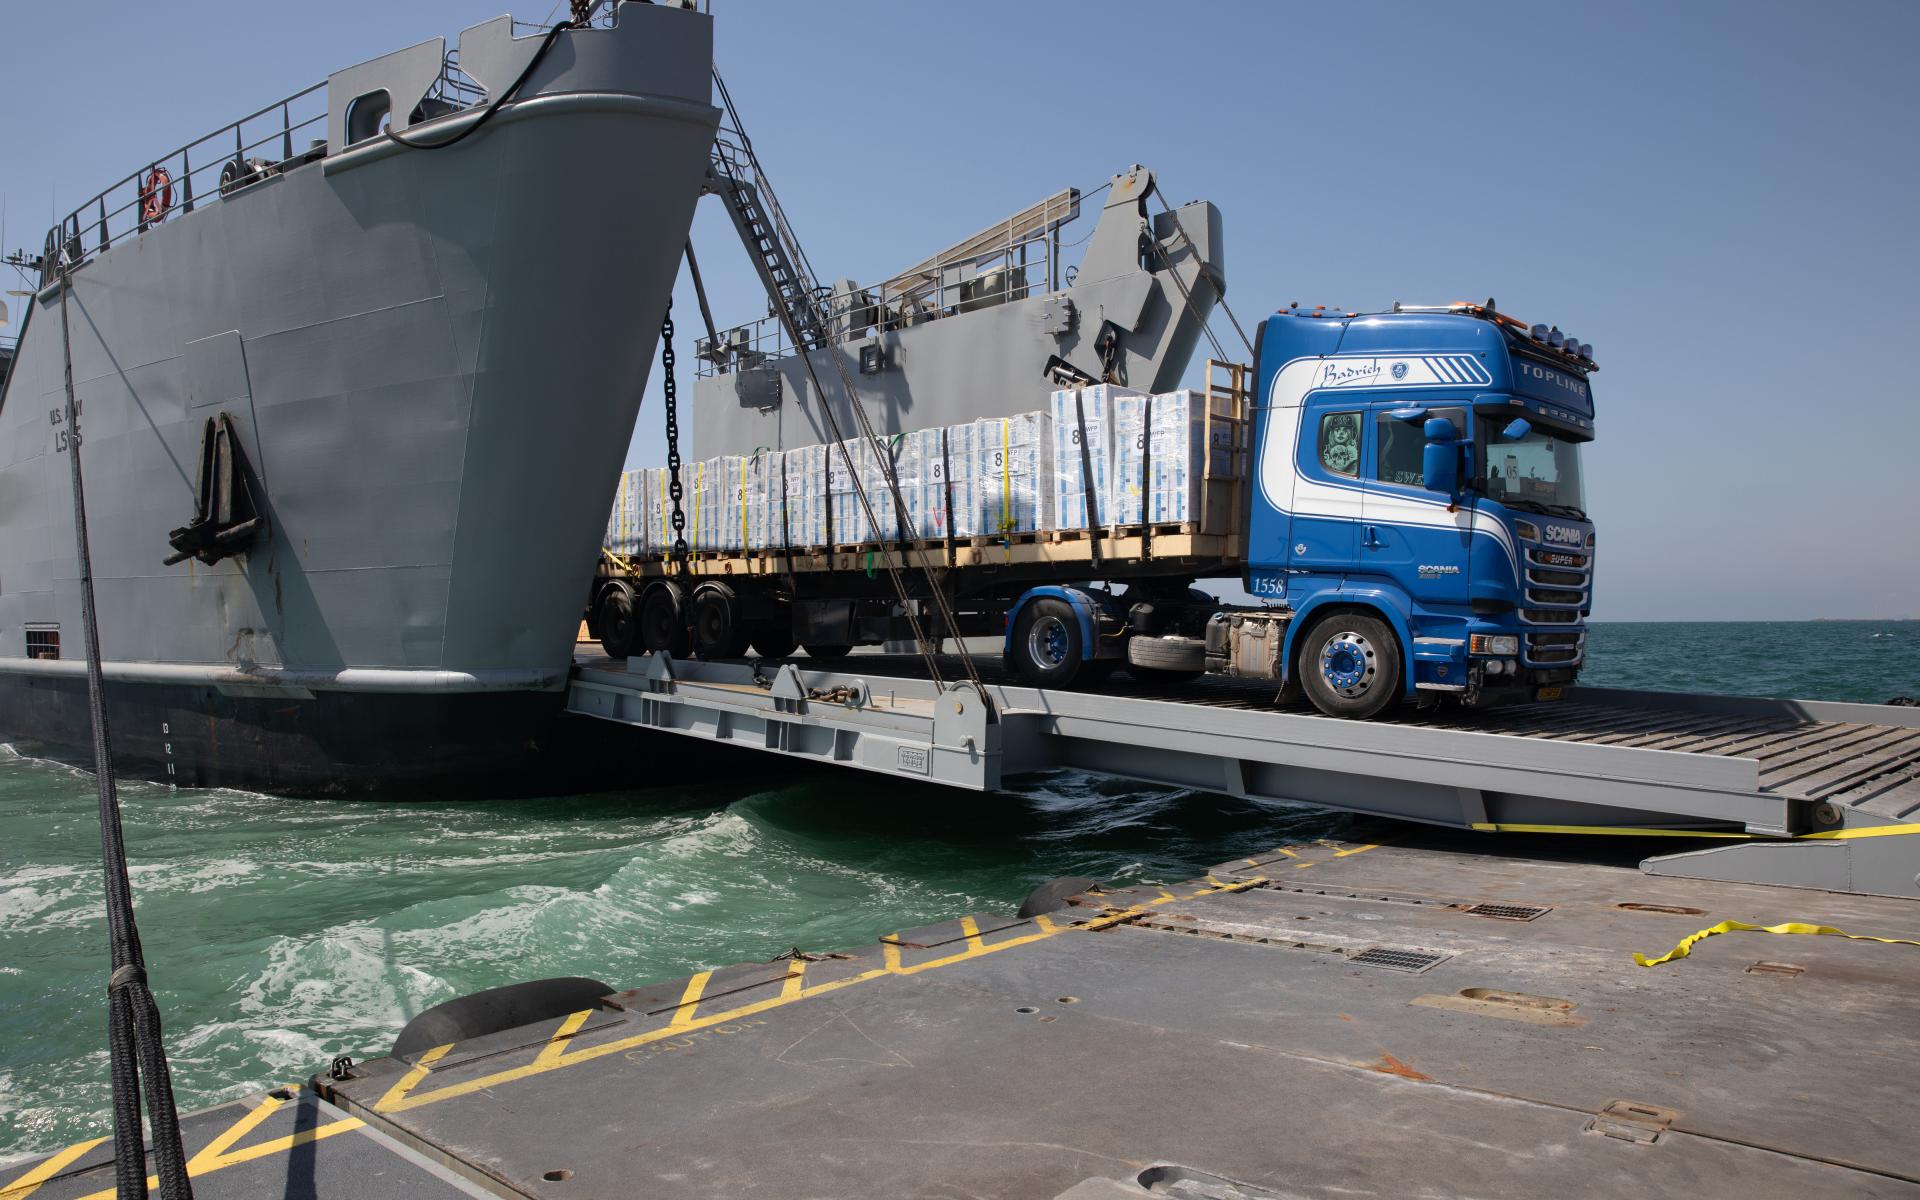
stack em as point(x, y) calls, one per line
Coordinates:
point(1406, 535)
point(1326, 491)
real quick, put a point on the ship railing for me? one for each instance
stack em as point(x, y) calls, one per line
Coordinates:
point(1020, 259)
point(264, 143)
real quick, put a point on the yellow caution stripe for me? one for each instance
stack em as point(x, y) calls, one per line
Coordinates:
point(1687, 943)
point(1863, 831)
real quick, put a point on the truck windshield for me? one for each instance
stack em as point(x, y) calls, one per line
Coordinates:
point(1540, 472)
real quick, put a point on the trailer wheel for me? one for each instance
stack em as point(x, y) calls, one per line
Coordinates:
point(613, 618)
point(1046, 643)
point(663, 622)
point(827, 651)
point(719, 627)
point(1350, 665)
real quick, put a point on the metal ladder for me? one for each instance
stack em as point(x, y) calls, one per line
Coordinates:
point(734, 174)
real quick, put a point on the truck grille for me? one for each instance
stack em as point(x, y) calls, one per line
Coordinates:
point(1550, 616)
point(1556, 649)
point(1557, 596)
point(1557, 578)
point(1558, 589)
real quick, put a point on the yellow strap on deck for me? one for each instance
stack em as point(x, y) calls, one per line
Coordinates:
point(1859, 831)
point(1687, 943)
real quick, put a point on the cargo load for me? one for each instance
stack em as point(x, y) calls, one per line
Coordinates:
point(1087, 412)
point(1012, 464)
point(1150, 460)
point(1160, 458)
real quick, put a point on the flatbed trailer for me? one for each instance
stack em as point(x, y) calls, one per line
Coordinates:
point(1393, 1013)
point(1808, 793)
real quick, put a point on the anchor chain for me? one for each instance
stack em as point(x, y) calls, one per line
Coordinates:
point(670, 394)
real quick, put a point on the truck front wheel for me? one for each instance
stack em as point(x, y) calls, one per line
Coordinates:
point(1349, 665)
point(1047, 648)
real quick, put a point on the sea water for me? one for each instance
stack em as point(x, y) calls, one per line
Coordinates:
point(280, 933)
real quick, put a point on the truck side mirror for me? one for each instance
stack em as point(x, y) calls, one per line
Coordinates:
point(1516, 429)
point(1440, 462)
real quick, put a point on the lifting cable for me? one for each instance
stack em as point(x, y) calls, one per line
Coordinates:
point(1222, 291)
point(135, 1051)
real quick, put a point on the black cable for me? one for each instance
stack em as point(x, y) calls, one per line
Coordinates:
point(133, 1019)
point(494, 106)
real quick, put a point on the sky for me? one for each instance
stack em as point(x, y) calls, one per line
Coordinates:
point(1720, 197)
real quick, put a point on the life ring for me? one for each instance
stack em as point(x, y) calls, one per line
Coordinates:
point(156, 196)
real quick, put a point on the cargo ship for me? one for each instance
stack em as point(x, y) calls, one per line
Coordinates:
point(347, 371)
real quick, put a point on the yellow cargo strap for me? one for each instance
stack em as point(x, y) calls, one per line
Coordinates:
point(1687, 943)
point(1829, 835)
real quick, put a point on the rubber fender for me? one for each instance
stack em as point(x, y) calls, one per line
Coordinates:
point(496, 1009)
point(1052, 895)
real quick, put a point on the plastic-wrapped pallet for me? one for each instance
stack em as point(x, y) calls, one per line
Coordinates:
point(759, 490)
point(1069, 468)
point(1013, 473)
point(627, 523)
point(806, 503)
point(733, 503)
point(876, 462)
point(942, 469)
point(847, 520)
point(903, 458)
point(704, 516)
point(660, 507)
point(1169, 430)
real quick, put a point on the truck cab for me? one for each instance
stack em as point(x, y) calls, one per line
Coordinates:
point(1415, 513)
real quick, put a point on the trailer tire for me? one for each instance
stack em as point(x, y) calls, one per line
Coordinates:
point(1349, 665)
point(719, 625)
point(1047, 649)
point(663, 621)
point(614, 620)
point(827, 651)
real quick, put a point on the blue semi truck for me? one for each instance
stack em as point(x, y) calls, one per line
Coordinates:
point(1407, 518)
point(1414, 525)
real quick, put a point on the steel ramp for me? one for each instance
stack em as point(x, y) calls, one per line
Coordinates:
point(1812, 780)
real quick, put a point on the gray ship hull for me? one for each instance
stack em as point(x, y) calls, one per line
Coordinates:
point(432, 361)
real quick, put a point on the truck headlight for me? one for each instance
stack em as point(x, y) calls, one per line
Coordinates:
point(1527, 530)
point(1495, 643)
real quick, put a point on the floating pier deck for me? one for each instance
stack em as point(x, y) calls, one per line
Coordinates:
point(1397, 1014)
point(1793, 792)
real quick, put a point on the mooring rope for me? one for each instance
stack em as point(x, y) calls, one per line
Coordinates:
point(133, 1019)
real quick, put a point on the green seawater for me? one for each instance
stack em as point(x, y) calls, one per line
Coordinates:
point(280, 932)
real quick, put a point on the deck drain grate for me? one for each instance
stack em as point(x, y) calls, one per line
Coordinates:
point(1413, 961)
point(1509, 912)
